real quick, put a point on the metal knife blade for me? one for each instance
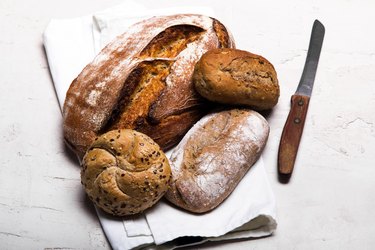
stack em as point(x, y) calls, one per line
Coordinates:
point(293, 128)
point(309, 71)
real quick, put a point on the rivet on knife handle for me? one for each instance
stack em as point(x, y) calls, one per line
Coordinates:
point(292, 133)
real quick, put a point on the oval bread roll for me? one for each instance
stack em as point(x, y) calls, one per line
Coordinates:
point(142, 81)
point(125, 172)
point(237, 77)
point(213, 157)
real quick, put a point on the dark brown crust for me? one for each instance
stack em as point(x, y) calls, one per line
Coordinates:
point(237, 77)
point(223, 35)
point(171, 129)
point(142, 80)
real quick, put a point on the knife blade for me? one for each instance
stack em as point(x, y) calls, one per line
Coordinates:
point(293, 128)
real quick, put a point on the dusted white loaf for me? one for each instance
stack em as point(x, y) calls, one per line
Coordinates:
point(213, 157)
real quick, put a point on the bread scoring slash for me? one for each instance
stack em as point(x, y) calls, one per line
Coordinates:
point(142, 80)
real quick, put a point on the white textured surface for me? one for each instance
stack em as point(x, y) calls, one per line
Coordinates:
point(329, 201)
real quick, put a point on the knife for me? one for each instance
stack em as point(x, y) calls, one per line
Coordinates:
point(293, 128)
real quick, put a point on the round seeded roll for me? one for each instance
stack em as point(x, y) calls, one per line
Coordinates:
point(237, 77)
point(125, 172)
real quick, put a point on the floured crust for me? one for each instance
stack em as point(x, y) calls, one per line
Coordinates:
point(125, 172)
point(213, 157)
point(142, 81)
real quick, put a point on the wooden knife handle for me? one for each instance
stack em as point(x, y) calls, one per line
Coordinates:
point(292, 132)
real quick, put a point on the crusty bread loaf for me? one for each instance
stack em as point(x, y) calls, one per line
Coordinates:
point(213, 157)
point(142, 81)
point(237, 77)
point(125, 172)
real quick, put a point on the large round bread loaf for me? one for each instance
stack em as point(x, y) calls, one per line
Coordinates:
point(142, 81)
point(213, 157)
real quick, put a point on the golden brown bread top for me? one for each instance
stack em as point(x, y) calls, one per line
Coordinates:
point(125, 172)
point(237, 77)
point(142, 81)
point(213, 157)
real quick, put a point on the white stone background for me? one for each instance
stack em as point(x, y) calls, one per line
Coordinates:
point(329, 201)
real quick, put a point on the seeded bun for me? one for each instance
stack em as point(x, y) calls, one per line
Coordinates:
point(125, 172)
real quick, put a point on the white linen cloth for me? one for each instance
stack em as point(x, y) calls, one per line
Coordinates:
point(250, 211)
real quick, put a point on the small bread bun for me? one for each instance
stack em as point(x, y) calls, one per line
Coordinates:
point(125, 172)
point(237, 77)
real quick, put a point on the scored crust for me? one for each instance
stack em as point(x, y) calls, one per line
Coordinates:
point(142, 81)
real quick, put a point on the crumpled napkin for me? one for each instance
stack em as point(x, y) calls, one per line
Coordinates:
point(250, 211)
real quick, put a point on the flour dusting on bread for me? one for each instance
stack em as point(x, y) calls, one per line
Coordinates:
point(154, 59)
point(214, 156)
